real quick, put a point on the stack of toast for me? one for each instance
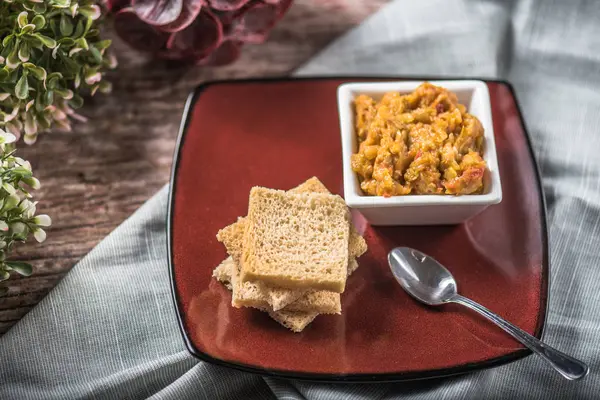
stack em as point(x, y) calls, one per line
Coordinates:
point(292, 254)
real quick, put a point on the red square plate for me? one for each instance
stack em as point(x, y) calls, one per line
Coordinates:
point(278, 133)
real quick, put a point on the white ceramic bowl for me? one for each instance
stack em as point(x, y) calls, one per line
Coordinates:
point(419, 209)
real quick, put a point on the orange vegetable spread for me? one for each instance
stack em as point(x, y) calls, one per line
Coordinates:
point(424, 142)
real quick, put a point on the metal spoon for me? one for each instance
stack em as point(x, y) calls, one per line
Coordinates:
point(428, 281)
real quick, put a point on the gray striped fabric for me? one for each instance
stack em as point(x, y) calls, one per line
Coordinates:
point(108, 331)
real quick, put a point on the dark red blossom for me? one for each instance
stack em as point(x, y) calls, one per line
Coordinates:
point(204, 32)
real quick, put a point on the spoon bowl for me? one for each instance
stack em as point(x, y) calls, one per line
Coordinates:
point(430, 282)
point(422, 276)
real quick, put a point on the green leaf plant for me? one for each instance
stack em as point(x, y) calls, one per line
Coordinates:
point(18, 219)
point(51, 56)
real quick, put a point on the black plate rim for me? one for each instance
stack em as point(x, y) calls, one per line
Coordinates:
point(353, 378)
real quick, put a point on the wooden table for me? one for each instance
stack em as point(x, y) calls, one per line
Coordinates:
point(96, 176)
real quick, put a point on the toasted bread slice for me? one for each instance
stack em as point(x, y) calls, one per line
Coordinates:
point(310, 185)
point(320, 301)
point(356, 245)
point(296, 240)
point(223, 272)
point(253, 294)
point(296, 321)
point(352, 266)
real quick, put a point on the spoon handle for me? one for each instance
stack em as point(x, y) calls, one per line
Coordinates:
point(568, 366)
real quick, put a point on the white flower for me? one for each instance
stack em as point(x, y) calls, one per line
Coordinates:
point(39, 234)
point(12, 115)
point(93, 78)
point(33, 182)
point(30, 139)
point(12, 200)
point(7, 137)
point(28, 209)
point(23, 163)
point(96, 13)
point(42, 220)
point(30, 125)
point(3, 226)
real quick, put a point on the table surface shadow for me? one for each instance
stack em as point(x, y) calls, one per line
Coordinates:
point(94, 177)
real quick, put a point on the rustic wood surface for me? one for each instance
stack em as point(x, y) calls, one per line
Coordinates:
point(96, 176)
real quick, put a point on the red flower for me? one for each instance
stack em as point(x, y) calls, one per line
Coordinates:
point(208, 32)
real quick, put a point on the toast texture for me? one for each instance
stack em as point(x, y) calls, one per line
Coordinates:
point(256, 293)
point(295, 321)
point(296, 240)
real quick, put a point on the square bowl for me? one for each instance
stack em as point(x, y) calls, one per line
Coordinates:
point(419, 209)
